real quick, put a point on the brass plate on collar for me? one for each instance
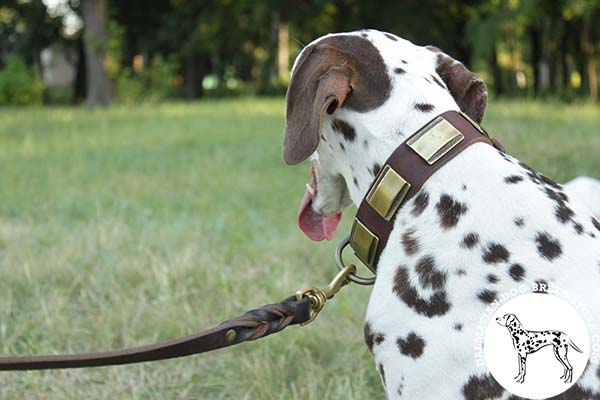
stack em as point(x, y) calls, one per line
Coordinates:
point(435, 139)
point(388, 192)
point(364, 243)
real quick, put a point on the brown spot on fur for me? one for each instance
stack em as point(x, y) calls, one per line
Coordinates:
point(424, 107)
point(355, 181)
point(439, 83)
point(420, 204)
point(482, 387)
point(437, 304)
point(376, 169)
point(410, 243)
point(495, 253)
point(548, 247)
point(563, 213)
point(345, 129)
point(429, 276)
point(596, 224)
point(371, 337)
point(399, 71)
point(513, 179)
point(576, 392)
point(519, 221)
point(412, 346)
point(391, 37)
point(450, 211)
point(487, 296)
point(470, 240)
point(491, 278)
point(517, 272)
point(458, 326)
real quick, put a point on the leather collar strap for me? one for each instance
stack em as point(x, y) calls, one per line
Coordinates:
point(253, 325)
point(404, 173)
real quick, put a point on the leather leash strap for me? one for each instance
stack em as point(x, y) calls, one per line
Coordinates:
point(403, 175)
point(252, 325)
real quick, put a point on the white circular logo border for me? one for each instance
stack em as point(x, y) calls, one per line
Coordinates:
point(593, 329)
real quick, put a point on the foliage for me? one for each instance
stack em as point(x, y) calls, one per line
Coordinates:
point(20, 84)
point(522, 47)
point(26, 28)
point(154, 82)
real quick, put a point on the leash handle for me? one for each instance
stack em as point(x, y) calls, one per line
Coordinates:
point(252, 325)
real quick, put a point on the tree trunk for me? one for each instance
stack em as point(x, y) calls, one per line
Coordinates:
point(193, 75)
point(79, 88)
point(545, 59)
point(564, 57)
point(587, 50)
point(496, 72)
point(536, 56)
point(99, 85)
point(268, 68)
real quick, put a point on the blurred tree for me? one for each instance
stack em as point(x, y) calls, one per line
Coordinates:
point(99, 84)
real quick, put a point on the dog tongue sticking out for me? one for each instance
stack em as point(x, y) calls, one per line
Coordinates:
point(316, 226)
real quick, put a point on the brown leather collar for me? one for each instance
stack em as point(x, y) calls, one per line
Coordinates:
point(404, 173)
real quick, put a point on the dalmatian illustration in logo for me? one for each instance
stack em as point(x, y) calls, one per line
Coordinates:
point(527, 342)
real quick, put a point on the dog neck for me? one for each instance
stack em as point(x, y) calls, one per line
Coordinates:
point(359, 149)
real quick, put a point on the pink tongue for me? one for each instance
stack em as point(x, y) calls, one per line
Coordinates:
point(316, 226)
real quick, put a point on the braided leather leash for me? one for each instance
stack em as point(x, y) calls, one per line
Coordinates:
point(254, 324)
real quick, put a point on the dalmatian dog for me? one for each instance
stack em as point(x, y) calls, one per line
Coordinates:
point(479, 226)
point(528, 342)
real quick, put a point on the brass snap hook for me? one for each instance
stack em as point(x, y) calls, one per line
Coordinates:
point(318, 297)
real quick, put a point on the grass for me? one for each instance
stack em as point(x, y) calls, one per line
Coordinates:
point(126, 226)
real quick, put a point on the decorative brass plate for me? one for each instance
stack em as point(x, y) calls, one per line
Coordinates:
point(435, 139)
point(388, 192)
point(364, 243)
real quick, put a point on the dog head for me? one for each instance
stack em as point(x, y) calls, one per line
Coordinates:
point(352, 99)
point(507, 320)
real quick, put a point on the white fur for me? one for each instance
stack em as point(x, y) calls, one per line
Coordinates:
point(587, 190)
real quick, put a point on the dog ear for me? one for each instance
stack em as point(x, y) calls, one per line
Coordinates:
point(467, 88)
point(319, 85)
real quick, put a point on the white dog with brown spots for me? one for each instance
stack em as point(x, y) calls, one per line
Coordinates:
point(481, 225)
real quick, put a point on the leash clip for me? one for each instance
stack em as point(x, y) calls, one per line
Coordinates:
point(318, 297)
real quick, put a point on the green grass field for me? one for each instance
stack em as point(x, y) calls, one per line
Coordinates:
point(126, 226)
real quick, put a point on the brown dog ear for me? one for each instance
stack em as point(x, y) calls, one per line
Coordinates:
point(319, 85)
point(467, 88)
